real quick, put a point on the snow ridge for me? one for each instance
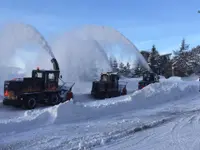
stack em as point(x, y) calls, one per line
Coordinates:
point(71, 112)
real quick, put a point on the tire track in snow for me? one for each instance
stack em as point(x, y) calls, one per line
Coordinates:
point(107, 138)
point(175, 133)
point(86, 142)
point(181, 120)
point(196, 144)
point(190, 119)
point(138, 142)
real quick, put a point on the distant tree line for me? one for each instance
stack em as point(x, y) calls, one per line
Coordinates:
point(184, 62)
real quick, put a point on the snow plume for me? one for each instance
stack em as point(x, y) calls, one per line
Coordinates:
point(80, 59)
point(84, 49)
point(113, 42)
point(81, 53)
point(17, 36)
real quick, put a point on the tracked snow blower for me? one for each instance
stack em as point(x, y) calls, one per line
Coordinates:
point(108, 86)
point(42, 88)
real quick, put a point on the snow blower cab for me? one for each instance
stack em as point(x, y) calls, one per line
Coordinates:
point(108, 86)
point(148, 78)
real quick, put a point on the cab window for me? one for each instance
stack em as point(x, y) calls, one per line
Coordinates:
point(104, 78)
point(51, 76)
point(38, 75)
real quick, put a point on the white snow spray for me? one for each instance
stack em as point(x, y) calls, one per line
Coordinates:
point(16, 35)
point(83, 51)
point(80, 59)
point(109, 36)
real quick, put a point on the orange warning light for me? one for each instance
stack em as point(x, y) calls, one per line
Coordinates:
point(6, 93)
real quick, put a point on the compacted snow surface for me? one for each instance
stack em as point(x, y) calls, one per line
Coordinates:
point(164, 115)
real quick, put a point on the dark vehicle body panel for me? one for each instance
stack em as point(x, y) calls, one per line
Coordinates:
point(108, 87)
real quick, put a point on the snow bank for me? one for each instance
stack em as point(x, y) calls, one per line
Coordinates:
point(175, 78)
point(162, 77)
point(28, 120)
point(72, 112)
point(146, 98)
point(151, 95)
point(192, 77)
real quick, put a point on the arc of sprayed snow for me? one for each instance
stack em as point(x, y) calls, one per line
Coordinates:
point(45, 44)
point(30, 28)
point(141, 60)
point(102, 51)
point(92, 30)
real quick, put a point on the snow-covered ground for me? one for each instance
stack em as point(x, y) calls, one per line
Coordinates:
point(164, 115)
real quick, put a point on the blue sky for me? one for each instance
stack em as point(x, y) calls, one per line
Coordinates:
point(145, 22)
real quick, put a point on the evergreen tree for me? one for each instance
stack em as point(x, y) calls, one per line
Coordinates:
point(121, 67)
point(115, 65)
point(184, 47)
point(180, 61)
point(127, 69)
point(137, 71)
point(154, 59)
point(194, 59)
point(128, 66)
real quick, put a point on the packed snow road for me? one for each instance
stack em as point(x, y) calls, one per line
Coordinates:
point(161, 116)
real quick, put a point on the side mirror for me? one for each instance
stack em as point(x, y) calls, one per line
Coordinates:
point(61, 76)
